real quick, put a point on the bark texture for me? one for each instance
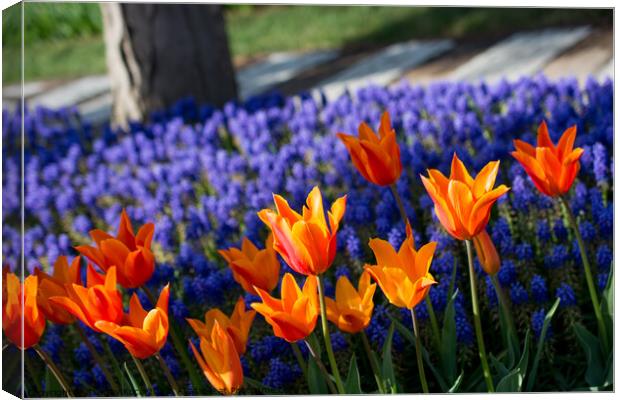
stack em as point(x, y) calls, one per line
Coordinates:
point(159, 53)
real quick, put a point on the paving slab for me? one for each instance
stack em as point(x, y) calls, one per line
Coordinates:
point(98, 109)
point(524, 53)
point(383, 67)
point(278, 68)
point(588, 58)
point(74, 92)
point(14, 92)
point(607, 71)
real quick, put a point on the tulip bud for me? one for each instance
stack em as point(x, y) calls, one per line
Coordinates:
point(487, 253)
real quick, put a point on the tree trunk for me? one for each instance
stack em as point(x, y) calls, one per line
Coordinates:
point(160, 53)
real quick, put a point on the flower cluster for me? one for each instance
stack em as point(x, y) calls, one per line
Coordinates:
point(201, 181)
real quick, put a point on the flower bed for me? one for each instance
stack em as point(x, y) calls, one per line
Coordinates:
point(201, 175)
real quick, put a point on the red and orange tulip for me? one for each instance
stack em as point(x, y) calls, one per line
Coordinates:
point(305, 242)
point(219, 360)
point(552, 168)
point(130, 254)
point(98, 301)
point(351, 310)
point(238, 325)
point(252, 267)
point(404, 277)
point(54, 285)
point(463, 204)
point(294, 316)
point(20, 309)
point(143, 333)
point(377, 158)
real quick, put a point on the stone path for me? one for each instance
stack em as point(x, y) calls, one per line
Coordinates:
point(278, 68)
point(577, 51)
point(384, 67)
point(521, 54)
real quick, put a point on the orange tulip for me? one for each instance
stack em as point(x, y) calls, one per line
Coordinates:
point(463, 204)
point(404, 276)
point(130, 254)
point(487, 253)
point(377, 158)
point(305, 242)
point(55, 286)
point(20, 309)
point(98, 301)
point(294, 316)
point(252, 267)
point(352, 309)
point(143, 333)
point(219, 360)
point(238, 325)
point(552, 168)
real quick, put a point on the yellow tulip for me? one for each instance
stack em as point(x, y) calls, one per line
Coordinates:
point(404, 276)
point(352, 309)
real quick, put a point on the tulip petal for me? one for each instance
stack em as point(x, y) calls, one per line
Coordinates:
point(145, 235)
point(481, 211)
point(462, 201)
point(459, 172)
point(485, 180)
point(285, 211)
point(336, 213)
point(524, 147)
point(384, 253)
point(366, 133)
point(543, 139)
point(379, 163)
point(125, 231)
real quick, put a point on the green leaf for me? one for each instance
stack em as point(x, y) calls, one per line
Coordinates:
point(252, 383)
point(607, 304)
point(316, 381)
point(457, 383)
point(510, 340)
point(499, 366)
point(541, 344)
point(387, 368)
point(440, 380)
point(447, 352)
point(407, 334)
point(134, 382)
point(513, 381)
point(52, 386)
point(353, 385)
point(595, 372)
point(403, 330)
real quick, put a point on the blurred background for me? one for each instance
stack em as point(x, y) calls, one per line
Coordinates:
point(303, 48)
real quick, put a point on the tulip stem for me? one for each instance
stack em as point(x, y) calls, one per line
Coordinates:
point(145, 377)
point(503, 301)
point(321, 366)
point(418, 351)
point(171, 380)
point(373, 362)
point(477, 325)
point(429, 304)
point(55, 370)
point(328, 341)
point(97, 358)
point(401, 207)
point(300, 359)
point(588, 273)
point(178, 345)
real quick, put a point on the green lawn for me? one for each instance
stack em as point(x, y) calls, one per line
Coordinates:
point(64, 40)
